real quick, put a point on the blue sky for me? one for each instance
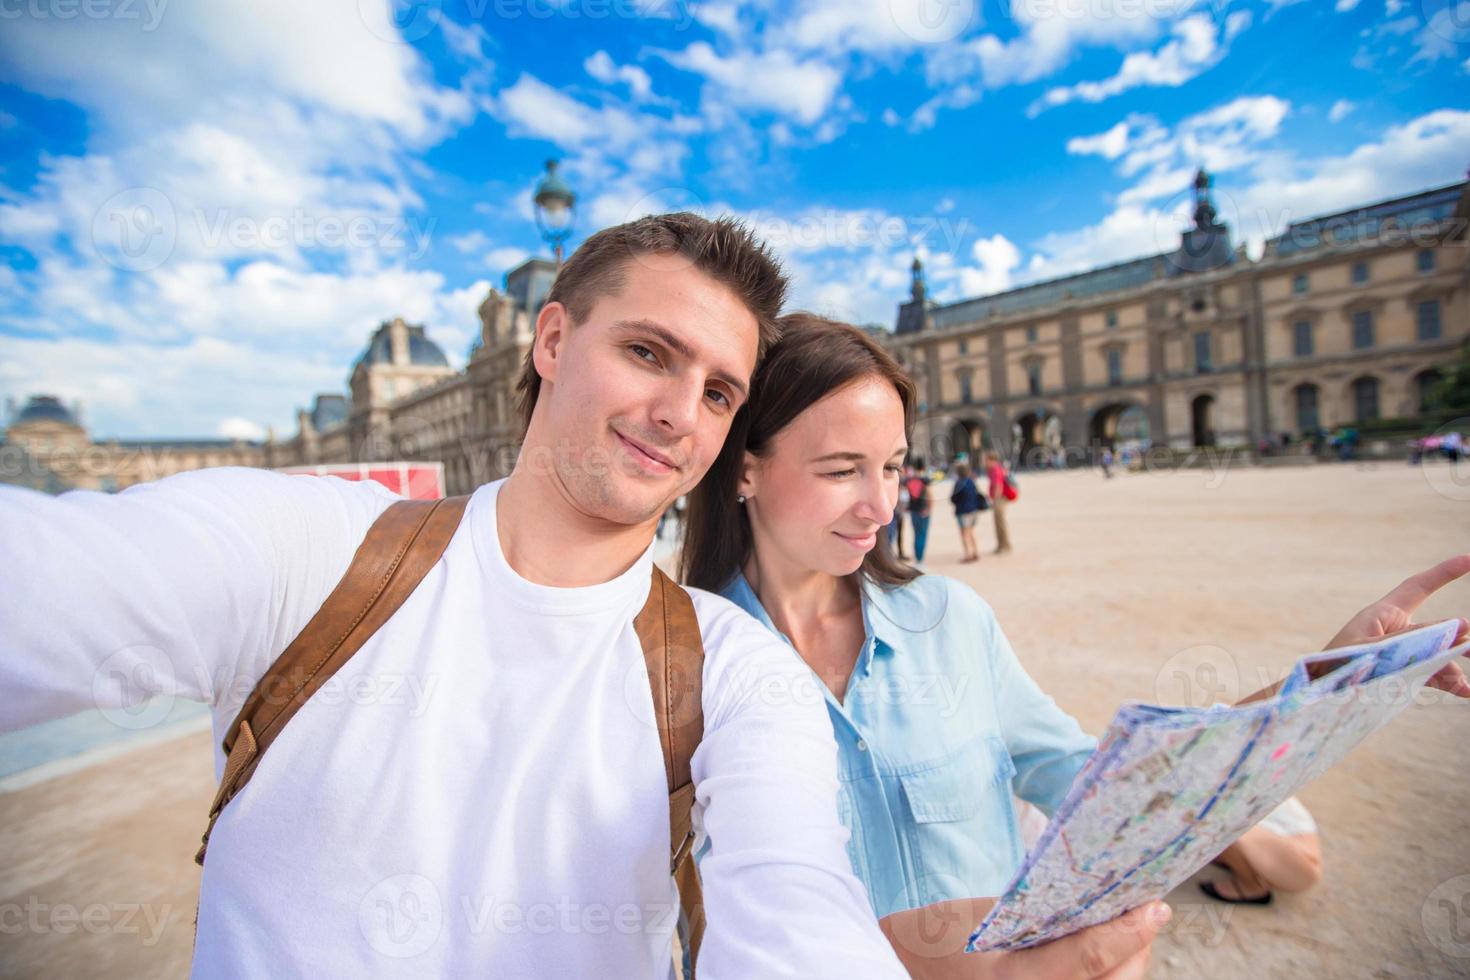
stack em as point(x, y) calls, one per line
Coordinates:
point(203, 214)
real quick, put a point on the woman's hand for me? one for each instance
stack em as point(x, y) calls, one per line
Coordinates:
point(930, 942)
point(1394, 613)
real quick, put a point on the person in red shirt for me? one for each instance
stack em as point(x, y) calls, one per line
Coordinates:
point(996, 471)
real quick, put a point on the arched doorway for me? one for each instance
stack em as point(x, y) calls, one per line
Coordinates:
point(1365, 399)
point(1120, 426)
point(1202, 416)
point(1038, 437)
point(968, 438)
point(1306, 398)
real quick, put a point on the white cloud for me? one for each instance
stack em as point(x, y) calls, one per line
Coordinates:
point(775, 81)
point(1340, 110)
point(1194, 48)
point(1109, 145)
point(243, 429)
point(1445, 31)
point(998, 259)
point(601, 67)
point(1047, 41)
point(136, 75)
point(1279, 189)
point(1343, 6)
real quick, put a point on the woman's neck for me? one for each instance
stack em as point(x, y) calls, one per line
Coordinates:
point(800, 601)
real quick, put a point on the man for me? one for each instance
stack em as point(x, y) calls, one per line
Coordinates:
point(513, 820)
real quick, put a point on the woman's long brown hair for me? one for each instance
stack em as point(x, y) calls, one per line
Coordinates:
point(814, 357)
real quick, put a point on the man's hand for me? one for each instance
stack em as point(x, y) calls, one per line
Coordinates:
point(1394, 613)
point(930, 942)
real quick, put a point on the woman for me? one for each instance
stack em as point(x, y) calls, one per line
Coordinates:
point(968, 503)
point(936, 722)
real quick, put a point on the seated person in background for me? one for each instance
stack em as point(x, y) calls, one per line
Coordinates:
point(1281, 853)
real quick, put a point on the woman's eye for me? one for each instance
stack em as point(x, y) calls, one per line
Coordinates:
point(842, 473)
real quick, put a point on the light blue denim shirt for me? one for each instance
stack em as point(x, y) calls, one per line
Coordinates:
point(939, 726)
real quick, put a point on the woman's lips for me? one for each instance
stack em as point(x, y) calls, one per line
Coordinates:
point(864, 541)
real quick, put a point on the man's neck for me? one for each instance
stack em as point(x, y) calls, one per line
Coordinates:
point(548, 540)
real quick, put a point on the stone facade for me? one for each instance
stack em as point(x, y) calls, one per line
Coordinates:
point(1345, 319)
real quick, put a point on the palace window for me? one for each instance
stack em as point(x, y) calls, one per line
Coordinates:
point(1033, 379)
point(1301, 338)
point(1365, 399)
point(1202, 361)
point(964, 346)
point(1299, 283)
point(1360, 272)
point(1030, 335)
point(1306, 408)
point(967, 394)
point(1115, 367)
point(1111, 319)
point(1425, 260)
point(1427, 317)
point(1362, 329)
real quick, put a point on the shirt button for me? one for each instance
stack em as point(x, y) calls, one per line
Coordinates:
point(862, 746)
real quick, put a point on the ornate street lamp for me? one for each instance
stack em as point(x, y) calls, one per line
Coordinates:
point(555, 209)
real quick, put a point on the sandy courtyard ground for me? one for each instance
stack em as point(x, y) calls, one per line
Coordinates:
point(1170, 587)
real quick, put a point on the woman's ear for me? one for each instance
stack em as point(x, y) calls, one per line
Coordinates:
point(749, 475)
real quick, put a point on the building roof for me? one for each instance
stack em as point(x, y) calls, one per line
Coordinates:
point(45, 408)
point(329, 410)
point(421, 350)
point(1422, 211)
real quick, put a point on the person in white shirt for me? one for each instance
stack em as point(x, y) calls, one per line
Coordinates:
point(485, 793)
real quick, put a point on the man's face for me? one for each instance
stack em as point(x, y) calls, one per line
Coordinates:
point(636, 402)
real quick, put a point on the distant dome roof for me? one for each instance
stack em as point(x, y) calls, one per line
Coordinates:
point(45, 408)
point(421, 350)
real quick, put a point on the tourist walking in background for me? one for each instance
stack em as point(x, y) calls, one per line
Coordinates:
point(917, 486)
point(1107, 463)
point(968, 503)
point(1002, 491)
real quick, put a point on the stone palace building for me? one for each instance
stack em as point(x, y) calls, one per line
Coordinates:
point(1346, 318)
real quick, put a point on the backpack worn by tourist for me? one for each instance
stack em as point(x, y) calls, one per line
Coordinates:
point(405, 542)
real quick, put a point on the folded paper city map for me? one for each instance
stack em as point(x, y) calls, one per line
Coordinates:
point(1170, 788)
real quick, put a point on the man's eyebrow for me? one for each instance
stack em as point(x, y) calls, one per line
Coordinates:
point(672, 341)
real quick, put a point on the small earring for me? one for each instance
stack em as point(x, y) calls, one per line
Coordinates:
point(740, 498)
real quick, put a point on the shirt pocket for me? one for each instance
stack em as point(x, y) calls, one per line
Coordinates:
point(962, 824)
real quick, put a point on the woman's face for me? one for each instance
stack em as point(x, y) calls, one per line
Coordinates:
point(827, 486)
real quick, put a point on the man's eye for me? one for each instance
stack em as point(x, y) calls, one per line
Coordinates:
point(639, 351)
point(894, 469)
point(715, 393)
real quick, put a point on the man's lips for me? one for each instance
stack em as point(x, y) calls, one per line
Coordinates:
point(652, 454)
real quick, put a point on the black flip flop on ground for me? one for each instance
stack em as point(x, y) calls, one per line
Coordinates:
point(1208, 887)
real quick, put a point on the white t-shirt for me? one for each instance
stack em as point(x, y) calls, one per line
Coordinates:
point(480, 791)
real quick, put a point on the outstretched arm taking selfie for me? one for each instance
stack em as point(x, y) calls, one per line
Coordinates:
point(186, 587)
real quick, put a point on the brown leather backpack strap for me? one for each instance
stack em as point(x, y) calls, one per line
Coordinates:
point(404, 542)
point(673, 652)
